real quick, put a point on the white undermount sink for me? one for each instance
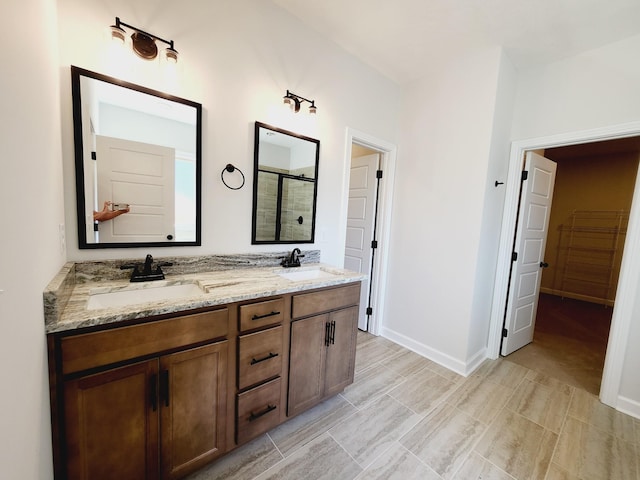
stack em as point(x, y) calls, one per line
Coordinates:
point(133, 295)
point(301, 273)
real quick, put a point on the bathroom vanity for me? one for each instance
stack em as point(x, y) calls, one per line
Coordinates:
point(159, 389)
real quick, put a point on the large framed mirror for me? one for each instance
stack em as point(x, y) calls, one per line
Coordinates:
point(285, 186)
point(138, 157)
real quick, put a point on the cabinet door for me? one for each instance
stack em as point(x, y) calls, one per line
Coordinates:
point(307, 359)
point(340, 363)
point(111, 423)
point(193, 392)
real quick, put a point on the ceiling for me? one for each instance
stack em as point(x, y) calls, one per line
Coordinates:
point(406, 39)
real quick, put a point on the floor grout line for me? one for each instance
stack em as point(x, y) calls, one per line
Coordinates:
point(447, 399)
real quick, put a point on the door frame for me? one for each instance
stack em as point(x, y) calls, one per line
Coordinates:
point(628, 280)
point(388, 153)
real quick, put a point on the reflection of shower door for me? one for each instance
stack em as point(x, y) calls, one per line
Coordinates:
point(141, 175)
point(285, 208)
point(295, 209)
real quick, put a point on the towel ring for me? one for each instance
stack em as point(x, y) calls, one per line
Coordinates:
point(230, 168)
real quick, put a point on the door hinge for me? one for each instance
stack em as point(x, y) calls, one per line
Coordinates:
point(93, 156)
point(379, 174)
point(505, 332)
point(369, 311)
point(514, 256)
point(374, 244)
point(525, 175)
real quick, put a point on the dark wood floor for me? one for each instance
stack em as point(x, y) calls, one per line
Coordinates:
point(569, 343)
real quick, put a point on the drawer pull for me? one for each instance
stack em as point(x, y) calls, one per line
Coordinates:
point(268, 357)
point(255, 416)
point(266, 315)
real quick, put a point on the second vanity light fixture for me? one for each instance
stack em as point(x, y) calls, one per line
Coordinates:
point(143, 43)
point(294, 101)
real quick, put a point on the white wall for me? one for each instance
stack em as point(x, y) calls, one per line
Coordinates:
point(492, 214)
point(238, 58)
point(596, 89)
point(32, 209)
point(441, 184)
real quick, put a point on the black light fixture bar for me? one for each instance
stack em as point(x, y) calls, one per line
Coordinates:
point(298, 100)
point(142, 51)
point(120, 24)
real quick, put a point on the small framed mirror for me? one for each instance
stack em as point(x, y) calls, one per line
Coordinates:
point(138, 159)
point(285, 186)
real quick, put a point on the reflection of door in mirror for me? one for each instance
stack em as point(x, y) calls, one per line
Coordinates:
point(141, 176)
point(286, 167)
point(136, 149)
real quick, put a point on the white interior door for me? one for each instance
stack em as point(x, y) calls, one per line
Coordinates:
point(143, 176)
point(531, 238)
point(360, 222)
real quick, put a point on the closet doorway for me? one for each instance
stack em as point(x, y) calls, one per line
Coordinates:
point(368, 194)
point(593, 193)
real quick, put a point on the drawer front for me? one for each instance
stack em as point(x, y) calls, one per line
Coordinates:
point(90, 350)
point(312, 303)
point(260, 356)
point(258, 410)
point(261, 314)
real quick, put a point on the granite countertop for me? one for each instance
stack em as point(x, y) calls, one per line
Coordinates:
point(66, 300)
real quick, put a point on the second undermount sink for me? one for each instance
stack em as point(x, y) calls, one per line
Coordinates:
point(299, 274)
point(98, 298)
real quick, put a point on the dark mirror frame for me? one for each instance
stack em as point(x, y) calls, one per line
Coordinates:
point(76, 73)
point(256, 169)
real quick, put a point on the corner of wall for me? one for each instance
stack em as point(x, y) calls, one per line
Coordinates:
point(464, 368)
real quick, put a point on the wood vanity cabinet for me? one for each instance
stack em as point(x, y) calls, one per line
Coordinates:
point(323, 341)
point(160, 417)
point(161, 397)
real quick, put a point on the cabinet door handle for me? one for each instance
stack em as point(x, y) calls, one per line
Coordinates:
point(260, 317)
point(333, 332)
point(327, 334)
point(164, 387)
point(255, 416)
point(153, 385)
point(268, 357)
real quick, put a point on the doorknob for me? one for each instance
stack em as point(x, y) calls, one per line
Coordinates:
point(544, 264)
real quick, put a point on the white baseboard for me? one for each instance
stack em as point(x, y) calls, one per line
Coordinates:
point(476, 360)
point(443, 359)
point(628, 406)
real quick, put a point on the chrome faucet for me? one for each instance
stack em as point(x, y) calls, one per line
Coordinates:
point(145, 272)
point(293, 260)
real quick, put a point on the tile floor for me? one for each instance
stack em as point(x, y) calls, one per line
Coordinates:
point(407, 418)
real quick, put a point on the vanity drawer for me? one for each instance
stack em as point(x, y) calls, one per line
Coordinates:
point(261, 314)
point(258, 410)
point(260, 356)
point(325, 300)
point(89, 350)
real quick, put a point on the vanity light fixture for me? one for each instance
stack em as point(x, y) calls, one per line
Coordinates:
point(143, 43)
point(294, 101)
